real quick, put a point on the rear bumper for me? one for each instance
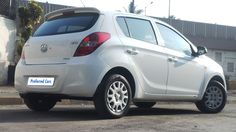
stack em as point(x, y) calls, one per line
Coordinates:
point(79, 77)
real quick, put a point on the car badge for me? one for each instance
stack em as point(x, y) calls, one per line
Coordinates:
point(44, 48)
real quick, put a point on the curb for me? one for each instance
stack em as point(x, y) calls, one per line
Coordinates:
point(19, 101)
point(11, 101)
point(231, 102)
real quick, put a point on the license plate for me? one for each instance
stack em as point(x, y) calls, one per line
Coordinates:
point(40, 81)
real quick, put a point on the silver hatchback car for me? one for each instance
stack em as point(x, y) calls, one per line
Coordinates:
point(114, 59)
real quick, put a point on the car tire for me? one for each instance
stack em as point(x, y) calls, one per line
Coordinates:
point(41, 104)
point(144, 104)
point(214, 98)
point(112, 99)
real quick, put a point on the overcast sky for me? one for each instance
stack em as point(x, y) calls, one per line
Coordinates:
point(210, 11)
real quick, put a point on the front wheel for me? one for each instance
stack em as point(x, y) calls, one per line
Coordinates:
point(214, 98)
point(112, 100)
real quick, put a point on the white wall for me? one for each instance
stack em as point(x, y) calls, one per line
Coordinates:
point(7, 46)
point(227, 57)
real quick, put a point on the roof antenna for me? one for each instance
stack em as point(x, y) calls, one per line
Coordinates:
point(82, 2)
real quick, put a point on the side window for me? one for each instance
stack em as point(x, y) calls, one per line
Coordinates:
point(123, 26)
point(141, 30)
point(174, 41)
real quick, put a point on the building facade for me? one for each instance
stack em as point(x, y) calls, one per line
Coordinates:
point(227, 59)
point(7, 47)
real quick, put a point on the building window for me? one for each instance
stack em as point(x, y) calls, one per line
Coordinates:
point(230, 67)
point(218, 56)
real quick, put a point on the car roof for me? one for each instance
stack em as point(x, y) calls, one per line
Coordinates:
point(139, 16)
point(95, 10)
point(64, 11)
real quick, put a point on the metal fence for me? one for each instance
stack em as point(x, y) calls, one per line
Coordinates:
point(47, 7)
point(8, 8)
point(203, 29)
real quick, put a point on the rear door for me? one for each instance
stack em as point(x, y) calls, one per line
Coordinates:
point(56, 40)
point(142, 48)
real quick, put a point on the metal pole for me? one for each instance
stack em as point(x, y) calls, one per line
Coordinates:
point(82, 3)
point(169, 10)
point(147, 6)
point(9, 9)
point(169, 14)
point(133, 10)
point(145, 10)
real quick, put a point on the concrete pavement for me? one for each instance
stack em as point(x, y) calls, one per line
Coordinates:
point(9, 96)
point(77, 118)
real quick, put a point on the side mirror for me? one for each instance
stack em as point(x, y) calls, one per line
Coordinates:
point(201, 50)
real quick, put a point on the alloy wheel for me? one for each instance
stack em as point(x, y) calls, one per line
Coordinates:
point(214, 97)
point(117, 97)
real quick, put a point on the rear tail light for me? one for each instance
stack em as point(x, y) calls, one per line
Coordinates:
point(91, 43)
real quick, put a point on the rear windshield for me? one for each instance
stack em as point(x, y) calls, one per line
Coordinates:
point(67, 24)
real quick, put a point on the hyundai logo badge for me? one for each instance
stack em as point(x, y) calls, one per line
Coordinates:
point(44, 48)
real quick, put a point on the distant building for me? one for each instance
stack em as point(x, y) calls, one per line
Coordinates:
point(220, 41)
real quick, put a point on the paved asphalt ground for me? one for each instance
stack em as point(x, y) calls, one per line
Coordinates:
point(180, 117)
point(78, 118)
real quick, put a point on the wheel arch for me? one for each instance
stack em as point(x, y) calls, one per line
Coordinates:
point(217, 78)
point(202, 104)
point(124, 72)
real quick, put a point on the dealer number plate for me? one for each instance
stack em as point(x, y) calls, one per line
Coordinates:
point(40, 81)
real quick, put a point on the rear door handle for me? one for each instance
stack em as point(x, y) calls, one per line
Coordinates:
point(172, 59)
point(132, 51)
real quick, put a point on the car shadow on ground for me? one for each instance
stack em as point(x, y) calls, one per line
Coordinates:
point(161, 111)
point(59, 114)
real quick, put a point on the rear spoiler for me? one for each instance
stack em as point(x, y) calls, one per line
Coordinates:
point(65, 11)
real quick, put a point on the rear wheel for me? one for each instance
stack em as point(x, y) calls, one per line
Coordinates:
point(113, 98)
point(144, 104)
point(39, 103)
point(214, 98)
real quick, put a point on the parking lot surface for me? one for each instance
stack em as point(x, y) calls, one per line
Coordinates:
point(83, 118)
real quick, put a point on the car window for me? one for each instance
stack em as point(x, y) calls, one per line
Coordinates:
point(67, 24)
point(123, 26)
point(141, 30)
point(173, 40)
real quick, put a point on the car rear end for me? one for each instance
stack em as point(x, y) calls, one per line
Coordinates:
point(62, 57)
